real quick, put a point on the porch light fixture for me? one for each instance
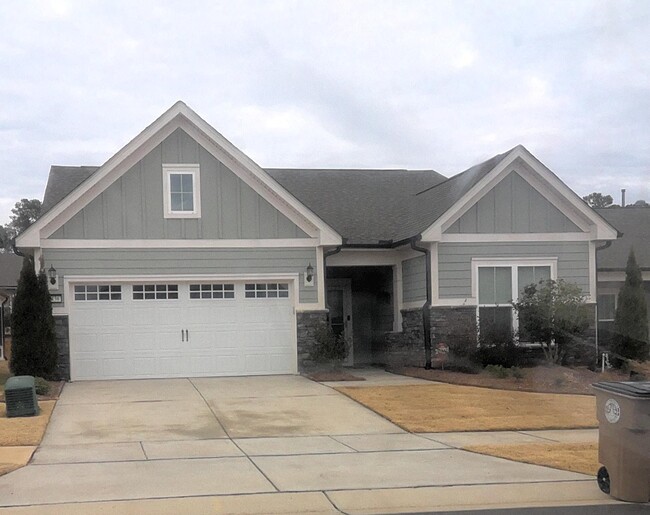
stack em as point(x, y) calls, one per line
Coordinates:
point(310, 273)
point(51, 273)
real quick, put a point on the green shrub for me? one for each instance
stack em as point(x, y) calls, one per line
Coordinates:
point(42, 386)
point(497, 371)
point(329, 348)
point(462, 365)
point(497, 347)
point(33, 350)
point(517, 373)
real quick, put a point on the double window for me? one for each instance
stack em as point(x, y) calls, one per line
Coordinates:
point(499, 284)
point(182, 195)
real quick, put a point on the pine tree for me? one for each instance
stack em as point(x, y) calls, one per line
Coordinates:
point(33, 349)
point(631, 320)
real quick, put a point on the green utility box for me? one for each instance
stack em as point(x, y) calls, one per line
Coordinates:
point(20, 397)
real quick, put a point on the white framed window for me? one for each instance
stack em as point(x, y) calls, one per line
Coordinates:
point(182, 190)
point(212, 291)
point(497, 283)
point(155, 291)
point(266, 290)
point(84, 292)
point(606, 307)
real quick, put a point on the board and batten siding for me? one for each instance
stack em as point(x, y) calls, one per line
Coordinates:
point(142, 262)
point(512, 206)
point(414, 279)
point(132, 207)
point(455, 262)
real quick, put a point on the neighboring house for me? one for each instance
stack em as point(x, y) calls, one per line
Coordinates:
point(10, 266)
point(634, 224)
point(180, 256)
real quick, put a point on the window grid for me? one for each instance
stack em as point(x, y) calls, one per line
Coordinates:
point(181, 191)
point(606, 307)
point(266, 290)
point(212, 291)
point(155, 291)
point(85, 292)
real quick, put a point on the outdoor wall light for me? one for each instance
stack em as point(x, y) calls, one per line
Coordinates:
point(51, 273)
point(310, 273)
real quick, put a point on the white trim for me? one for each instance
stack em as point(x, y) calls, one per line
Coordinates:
point(181, 169)
point(592, 272)
point(433, 253)
point(164, 244)
point(414, 304)
point(552, 188)
point(353, 257)
point(179, 115)
point(320, 276)
point(398, 296)
point(511, 237)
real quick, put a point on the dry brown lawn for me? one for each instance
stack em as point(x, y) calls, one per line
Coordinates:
point(445, 408)
point(575, 457)
point(17, 431)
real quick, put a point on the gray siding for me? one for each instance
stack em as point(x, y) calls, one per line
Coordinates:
point(413, 279)
point(132, 207)
point(455, 262)
point(138, 262)
point(513, 206)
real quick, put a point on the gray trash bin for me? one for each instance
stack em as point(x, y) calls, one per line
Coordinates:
point(624, 439)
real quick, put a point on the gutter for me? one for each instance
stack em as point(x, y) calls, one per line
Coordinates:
point(327, 254)
point(426, 309)
point(2, 325)
point(15, 250)
point(604, 246)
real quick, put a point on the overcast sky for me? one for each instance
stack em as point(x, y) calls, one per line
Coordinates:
point(429, 84)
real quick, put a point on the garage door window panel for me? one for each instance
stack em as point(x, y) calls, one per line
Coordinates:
point(155, 291)
point(92, 292)
point(212, 291)
point(266, 290)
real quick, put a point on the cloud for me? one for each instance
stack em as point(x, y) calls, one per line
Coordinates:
point(418, 84)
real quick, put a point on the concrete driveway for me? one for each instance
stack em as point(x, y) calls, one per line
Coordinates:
point(293, 443)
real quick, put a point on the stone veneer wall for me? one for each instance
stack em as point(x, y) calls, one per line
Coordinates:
point(62, 335)
point(308, 322)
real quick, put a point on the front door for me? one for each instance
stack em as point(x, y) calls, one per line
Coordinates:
point(339, 302)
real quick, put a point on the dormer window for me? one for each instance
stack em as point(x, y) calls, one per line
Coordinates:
point(182, 193)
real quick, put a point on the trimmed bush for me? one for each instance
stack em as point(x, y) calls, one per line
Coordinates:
point(42, 386)
point(497, 347)
point(330, 349)
point(33, 349)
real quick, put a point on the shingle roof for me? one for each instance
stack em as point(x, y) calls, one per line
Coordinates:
point(10, 265)
point(62, 180)
point(634, 223)
point(364, 206)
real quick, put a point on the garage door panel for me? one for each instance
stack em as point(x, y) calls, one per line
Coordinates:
point(144, 338)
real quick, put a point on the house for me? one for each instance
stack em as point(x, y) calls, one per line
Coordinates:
point(10, 266)
point(634, 224)
point(180, 256)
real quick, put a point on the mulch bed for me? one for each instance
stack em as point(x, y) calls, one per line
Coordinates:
point(543, 379)
point(55, 391)
point(323, 376)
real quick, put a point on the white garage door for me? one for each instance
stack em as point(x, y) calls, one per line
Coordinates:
point(172, 329)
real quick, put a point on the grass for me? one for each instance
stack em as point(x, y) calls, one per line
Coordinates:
point(575, 457)
point(446, 408)
point(17, 431)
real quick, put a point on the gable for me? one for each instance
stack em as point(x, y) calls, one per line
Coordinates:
point(132, 206)
point(512, 206)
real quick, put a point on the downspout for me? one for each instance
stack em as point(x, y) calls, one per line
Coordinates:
point(327, 254)
point(2, 326)
point(426, 309)
point(14, 249)
point(605, 245)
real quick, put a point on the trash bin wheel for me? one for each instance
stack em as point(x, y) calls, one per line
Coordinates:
point(603, 479)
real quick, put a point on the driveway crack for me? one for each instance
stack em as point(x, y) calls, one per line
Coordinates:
point(231, 438)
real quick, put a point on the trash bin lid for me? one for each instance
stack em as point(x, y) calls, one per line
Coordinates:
point(639, 390)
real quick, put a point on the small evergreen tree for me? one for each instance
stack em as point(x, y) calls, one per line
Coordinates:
point(33, 350)
point(631, 320)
